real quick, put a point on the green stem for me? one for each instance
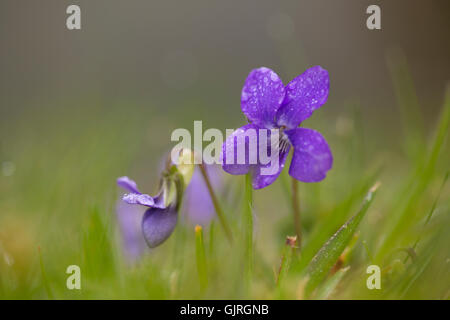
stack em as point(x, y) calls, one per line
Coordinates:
point(201, 258)
point(296, 212)
point(216, 204)
point(248, 228)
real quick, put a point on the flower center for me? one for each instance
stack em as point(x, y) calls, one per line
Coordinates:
point(284, 140)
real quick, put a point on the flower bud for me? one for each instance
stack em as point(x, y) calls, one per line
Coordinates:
point(185, 164)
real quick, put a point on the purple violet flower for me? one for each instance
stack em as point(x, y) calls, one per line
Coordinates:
point(268, 104)
point(139, 225)
point(158, 221)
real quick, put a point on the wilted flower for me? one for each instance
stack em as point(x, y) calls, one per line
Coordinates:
point(160, 219)
point(268, 104)
point(142, 216)
point(197, 206)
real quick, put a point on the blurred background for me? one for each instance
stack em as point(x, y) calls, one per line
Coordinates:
point(80, 108)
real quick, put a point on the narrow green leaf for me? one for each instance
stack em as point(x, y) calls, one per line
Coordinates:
point(327, 256)
point(408, 215)
point(335, 219)
point(327, 289)
point(287, 255)
point(430, 214)
point(286, 259)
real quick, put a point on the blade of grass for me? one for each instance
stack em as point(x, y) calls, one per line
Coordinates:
point(334, 220)
point(327, 289)
point(430, 214)
point(327, 256)
point(212, 227)
point(98, 254)
point(286, 258)
point(408, 104)
point(368, 252)
point(400, 287)
point(44, 276)
point(201, 258)
point(408, 214)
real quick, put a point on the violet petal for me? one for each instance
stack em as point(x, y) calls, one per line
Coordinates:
point(159, 201)
point(261, 96)
point(312, 156)
point(128, 184)
point(141, 199)
point(259, 180)
point(158, 225)
point(304, 94)
point(236, 141)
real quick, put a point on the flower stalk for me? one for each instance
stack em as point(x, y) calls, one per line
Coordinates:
point(248, 228)
point(216, 204)
point(296, 212)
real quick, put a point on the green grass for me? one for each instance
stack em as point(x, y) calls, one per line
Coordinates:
point(58, 209)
